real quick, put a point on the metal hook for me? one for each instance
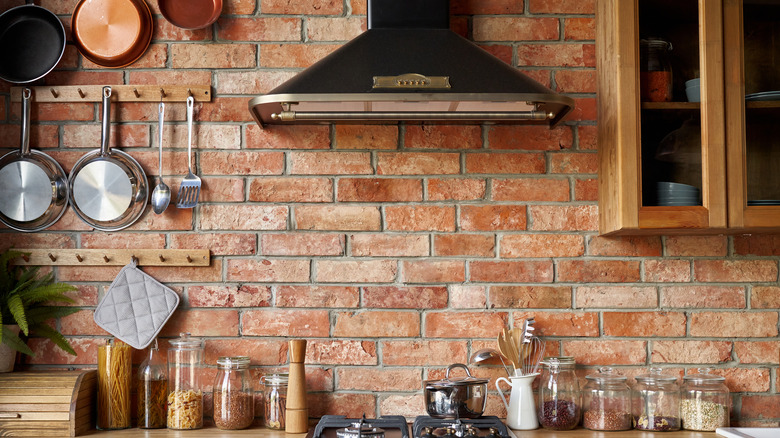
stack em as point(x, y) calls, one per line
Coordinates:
point(105, 258)
point(137, 94)
point(78, 257)
point(54, 93)
point(81, 93)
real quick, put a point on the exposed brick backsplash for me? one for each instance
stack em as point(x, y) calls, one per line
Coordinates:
point(397, 250)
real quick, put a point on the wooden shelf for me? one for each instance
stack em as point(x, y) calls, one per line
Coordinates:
point(119, 93)
point(115, 257)
point(763, 104)
point(671, 105)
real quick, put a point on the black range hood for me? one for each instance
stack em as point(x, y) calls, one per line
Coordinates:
point(409, 66)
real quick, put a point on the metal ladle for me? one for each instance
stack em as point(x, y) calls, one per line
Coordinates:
point(161, 196)
point(487, 354)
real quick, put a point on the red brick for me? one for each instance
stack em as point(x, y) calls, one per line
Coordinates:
point(562, 6)
point(467, 297)
point(556, 55)
point(574, 162)
point(523, 297)
point(217, 243)
point(340, 352)
point(561, 324)
point(493, 217)
point(389, 245)
point(515, 29)
point(757, 352)
point(474, 245)
point(735, 270)
point(434, 271)
point(241, 163)
point(576, 81)
point(46, 112)
point(293, 55)
point(342, 218)
point(239, 7)
point(210, 322)
point(253, 82)
point(703, 296)
point(667, 271)
point(366, 136)
point(745, 379)
point(224, 109)
point(81, 136)
point(765, 297)
point(291, 137)
point(531, 271)
point(179, 219)
point(377, 324)
point(760, 406)
point(229, 296)
point(302, 244)
point(80, 323)
point(507, 162)
point(464, 324)
point(417, 163)
point(317, 296)
point(379, 190)
point(204, 137)
point(586, 189)
point(387, 379)
point(349, 405)
point(632, 246)
point(420, 218)
point(607, 352)
point(456, 189)
point(84, 296)
point(46, 352)
point(691, 351)
point(472, 7)
point(424, 353)
point(265, 270)
point(598, 271)
point(358, 271)
point(541, 245)
point(213, 55)
point(166, 31)
point(564, 218)
point(287, 189)
point(174, 163)
point(734, 324)
point(330, 163)
point(443, 137)
point(217, 189)
point(41, 136)
point(334, 28)
point(123, 240)
point(587, 137)
point(168, 77)
point(156, 56)
point(243, 217)
point(644, 324)
point(585, 109)
point(697, 246)
point(404, 405)
point(36, 241)
point(259, 29)
point(617, 296)
point(410, 297)
point(315, 7)
point(283, 322)
point(260, 351)
point(579, 28)
point(757, 244)
point(530, 189)
point(502, 51)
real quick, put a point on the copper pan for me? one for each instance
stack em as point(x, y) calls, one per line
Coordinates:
point(112, 33)
point(190, 14)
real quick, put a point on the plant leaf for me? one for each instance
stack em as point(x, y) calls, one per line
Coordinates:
point(48, 292)
point(39, 315)
point(56, 337)
point(12, 340)
point(16, 306)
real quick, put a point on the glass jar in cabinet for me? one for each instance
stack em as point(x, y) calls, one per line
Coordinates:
point(606, 401)
point(559, 394)
point(656, 402)
point(655, 77)
point(705, 401)
point(185, 393)
point(234, 402)
point(274, 400)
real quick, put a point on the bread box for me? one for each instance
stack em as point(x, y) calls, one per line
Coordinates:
point(47, 403)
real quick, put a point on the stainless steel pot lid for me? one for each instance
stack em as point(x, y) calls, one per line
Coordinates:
point(25, 191)
point(448, 382)
point(102, 191)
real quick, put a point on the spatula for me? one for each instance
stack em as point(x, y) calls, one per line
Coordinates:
point(189, 190)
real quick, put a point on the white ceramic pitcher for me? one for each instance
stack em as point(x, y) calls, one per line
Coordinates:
point(521, 410)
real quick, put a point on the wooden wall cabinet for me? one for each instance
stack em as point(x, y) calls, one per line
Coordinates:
point(721, 145)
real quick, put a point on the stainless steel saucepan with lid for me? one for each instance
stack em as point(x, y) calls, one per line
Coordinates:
point(456, 397)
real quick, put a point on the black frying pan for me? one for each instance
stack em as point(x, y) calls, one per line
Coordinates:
point(32, 41)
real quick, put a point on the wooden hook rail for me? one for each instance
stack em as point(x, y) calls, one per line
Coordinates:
point(115, 257)
point(119, 93)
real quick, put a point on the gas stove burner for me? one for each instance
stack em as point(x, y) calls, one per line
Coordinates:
point(482, 427)
point(339, 426)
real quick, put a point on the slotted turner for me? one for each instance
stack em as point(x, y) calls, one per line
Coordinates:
point(189, 190)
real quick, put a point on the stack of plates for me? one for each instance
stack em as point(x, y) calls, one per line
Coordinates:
point(670, 193)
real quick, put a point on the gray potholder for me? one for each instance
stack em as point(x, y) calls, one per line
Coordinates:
point(136, 307)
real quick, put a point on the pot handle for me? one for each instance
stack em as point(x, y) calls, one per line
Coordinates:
point(501, 393)
point(26, 94)
point(456, 365)
point(106, 122)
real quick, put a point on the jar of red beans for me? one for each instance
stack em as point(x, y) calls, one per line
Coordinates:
point(234, 403)
point(656, 402)
point(559, 394)
point(655, 70)
point(606, 401)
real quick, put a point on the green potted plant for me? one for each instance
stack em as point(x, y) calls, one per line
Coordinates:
point(25, 306)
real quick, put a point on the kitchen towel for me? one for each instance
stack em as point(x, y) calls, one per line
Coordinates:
point(136, 307)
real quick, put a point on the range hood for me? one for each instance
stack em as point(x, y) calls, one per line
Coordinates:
point(409, 66)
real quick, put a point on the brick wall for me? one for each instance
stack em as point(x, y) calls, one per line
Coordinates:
point(399, 250)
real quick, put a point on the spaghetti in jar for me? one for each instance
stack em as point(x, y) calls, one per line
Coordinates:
point(114, 378)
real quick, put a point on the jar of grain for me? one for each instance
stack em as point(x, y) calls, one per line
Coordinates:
point(185, 395)
point(705, 401)
point(274, 400)
point(234, 404)
point(655, 70)
point(606, 401)
point(656, 402)
point(559, 394)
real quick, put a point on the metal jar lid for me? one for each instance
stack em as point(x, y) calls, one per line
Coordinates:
point(239, 362)
point(275, 379)
point(358, 430)
point(448, 382)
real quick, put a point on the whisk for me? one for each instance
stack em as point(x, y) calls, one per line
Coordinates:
point(531, 354)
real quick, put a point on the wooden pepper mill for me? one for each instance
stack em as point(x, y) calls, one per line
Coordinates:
point(297, 411)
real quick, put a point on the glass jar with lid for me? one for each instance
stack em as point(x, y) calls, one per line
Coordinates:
point(606, 401)
point(705, 401)
point(274, 400)
point(656, 402)
point(185, 393)
point(559, 394)
point(234, 402)
point(655, 70)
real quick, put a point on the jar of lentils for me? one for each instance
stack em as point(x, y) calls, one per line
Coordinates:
point(559, 394)
point(234, 403)
point(656, 402)
point(705, 401)
point(606, 401)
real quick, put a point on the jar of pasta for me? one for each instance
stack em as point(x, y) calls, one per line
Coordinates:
point(274, 400)
point(115, 367)
point(234, 402)
point(185, 396)
point(152, 388)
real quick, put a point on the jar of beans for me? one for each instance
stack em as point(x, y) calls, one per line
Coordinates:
point(559, 394)
point(606, 401)
point(704, 404)
point(656, 402)
point(234, 404)
point(655, 76)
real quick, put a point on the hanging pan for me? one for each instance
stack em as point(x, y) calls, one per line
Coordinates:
point(108, 187)
point(32, 41)
point(33, 187)
point(112, 33)
point(192, 14)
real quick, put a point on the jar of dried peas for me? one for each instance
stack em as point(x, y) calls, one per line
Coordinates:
point(705, 401)
point(185, 393)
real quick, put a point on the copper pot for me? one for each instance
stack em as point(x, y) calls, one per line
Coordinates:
point(112, 33)
point(190, 14)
